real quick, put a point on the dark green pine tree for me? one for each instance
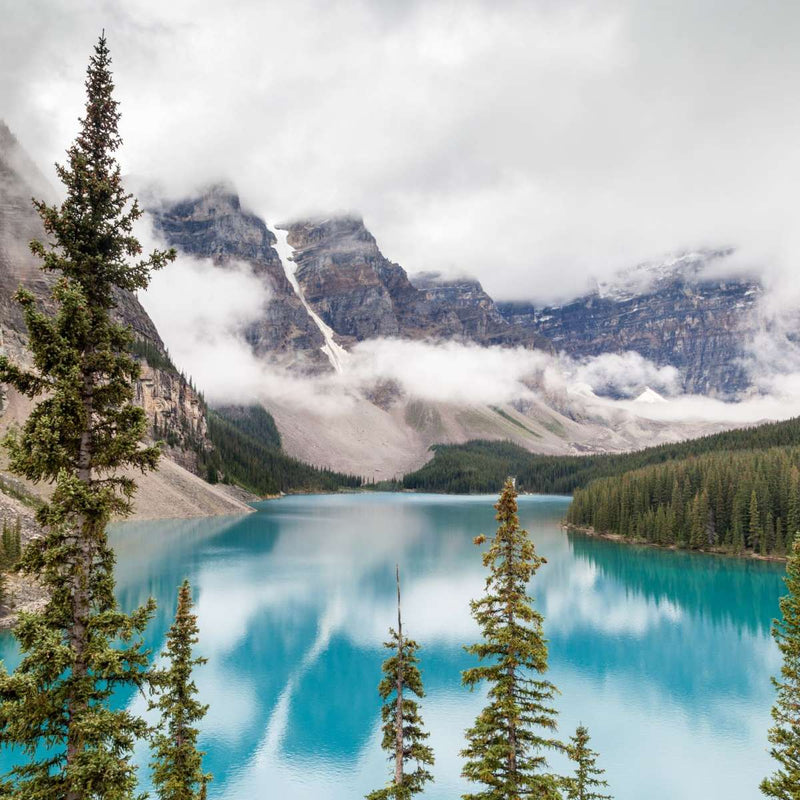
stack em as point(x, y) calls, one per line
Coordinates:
point(755, 522)
point(403, 733)
point(587, 782)
point(177, 763)
point(80, 648)
point(784, 735)
point(507, 746)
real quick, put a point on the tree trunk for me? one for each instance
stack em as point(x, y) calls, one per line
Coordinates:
point(398, 718)
point(512, 727)
point(81, 599)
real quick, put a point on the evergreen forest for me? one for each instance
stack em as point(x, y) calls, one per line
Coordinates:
point(480, 466)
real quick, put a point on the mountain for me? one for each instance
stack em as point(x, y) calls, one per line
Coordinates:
point(361, 294)
point(331, 289)
point(667, 312)
point(331, 275)
point(166, 396)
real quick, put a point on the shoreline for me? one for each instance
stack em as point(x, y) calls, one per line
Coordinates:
point(617, 537)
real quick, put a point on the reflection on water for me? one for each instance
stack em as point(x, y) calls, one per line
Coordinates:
point(666, 657)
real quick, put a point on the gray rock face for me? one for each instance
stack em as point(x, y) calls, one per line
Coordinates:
point(353, 287)
point(678, 318)
point(164, 394)
point(361, 294)
point(215, 226)
point(19, 224)
point(478, 314)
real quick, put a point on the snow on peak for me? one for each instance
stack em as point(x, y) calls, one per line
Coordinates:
point(650, 396)
point(644, 277)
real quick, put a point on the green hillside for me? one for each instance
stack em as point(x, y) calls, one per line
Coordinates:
point(247, 452)
point(481, 466)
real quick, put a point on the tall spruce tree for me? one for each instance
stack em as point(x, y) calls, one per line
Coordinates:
point(784, 735)
point(507, 746)
point(178, 764)
point(403, 733)
point(80, 648)
point(587, 780)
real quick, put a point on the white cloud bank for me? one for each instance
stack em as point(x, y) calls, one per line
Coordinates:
point(203, 313)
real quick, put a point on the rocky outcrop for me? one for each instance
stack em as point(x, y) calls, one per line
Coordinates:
point(177, 414)
point(358, 292)
point(172, 405)
point(361, 295)
point(478, 314)
point(669, 313)
point(214, 225)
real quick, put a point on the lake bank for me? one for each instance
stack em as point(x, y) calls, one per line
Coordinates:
point(617, 537)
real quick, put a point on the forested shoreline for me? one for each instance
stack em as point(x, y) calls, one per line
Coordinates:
point(736, 492)
point(729, 502)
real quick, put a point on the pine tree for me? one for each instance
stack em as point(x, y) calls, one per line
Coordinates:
point(698, 522)
point(780, 548)
point(7, 546)
point(755, 522)
point(784, 736)
point(506, 747)
point(80, 648)
point(403, 734)
point(178, 764)
point(587, 781)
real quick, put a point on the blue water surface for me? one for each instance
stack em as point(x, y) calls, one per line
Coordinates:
point(665, 656)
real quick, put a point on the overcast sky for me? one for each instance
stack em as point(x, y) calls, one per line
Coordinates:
point(533, 144)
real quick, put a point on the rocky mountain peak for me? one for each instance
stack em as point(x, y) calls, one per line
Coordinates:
point(669, 311)
point(212, 224)
point(344, 233)
point(361, 294)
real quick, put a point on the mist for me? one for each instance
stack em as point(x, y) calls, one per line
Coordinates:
point(203, 313)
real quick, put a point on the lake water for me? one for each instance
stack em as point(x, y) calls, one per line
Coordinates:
point(666, 657)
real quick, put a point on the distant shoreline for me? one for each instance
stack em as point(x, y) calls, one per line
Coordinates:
point(616, 537)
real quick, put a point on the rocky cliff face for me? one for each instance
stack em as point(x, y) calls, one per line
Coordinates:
point(359, 293)
point(214, 225)
point(343, 276)
point(161, 391)
point(478, 314)
point(355, 289)
point(668, 313)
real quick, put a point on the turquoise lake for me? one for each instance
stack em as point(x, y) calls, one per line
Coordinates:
point(665, 656)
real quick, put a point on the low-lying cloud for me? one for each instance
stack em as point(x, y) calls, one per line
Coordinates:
point(203, 313)
point(623, 374)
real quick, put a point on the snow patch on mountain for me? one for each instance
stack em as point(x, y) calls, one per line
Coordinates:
point(650, 396)
point(336, 354)
point(645, 277)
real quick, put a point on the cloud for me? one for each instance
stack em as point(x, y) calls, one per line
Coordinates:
point(201, 312)
point(625, 374)
point(533, 144)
